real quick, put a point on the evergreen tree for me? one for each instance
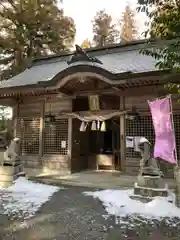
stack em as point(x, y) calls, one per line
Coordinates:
point(128, 26)
point(4, 115)
point(31, 28)
point(164, 24)
point(104, 31)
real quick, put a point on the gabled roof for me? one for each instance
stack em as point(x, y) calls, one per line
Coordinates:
point(116, 59)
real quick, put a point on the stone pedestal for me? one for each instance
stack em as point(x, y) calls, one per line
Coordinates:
point(177, 180)
point(9, 173)
point(148, 187)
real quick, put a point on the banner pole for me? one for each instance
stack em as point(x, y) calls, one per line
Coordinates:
point(173, 128)
point(176, 167)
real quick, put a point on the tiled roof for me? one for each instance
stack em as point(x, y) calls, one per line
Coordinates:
point(115, 62)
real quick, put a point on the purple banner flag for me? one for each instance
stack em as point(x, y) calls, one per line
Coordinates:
point(165, 144)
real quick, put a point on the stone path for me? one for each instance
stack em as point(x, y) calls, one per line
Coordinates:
point(71, 216)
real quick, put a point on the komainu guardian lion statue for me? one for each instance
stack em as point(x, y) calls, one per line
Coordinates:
point(12, 153)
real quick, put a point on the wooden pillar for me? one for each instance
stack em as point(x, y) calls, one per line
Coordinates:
point(41, 130)
point(122, 134)
point(15, 118)
point(70, 129)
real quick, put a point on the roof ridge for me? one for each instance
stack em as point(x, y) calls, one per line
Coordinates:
point(93, 49)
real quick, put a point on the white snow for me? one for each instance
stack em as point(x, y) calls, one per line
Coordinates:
point(119, 204)
point(24, 198)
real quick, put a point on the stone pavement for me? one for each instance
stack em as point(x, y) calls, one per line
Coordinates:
point(99, 179)
point(70, 215)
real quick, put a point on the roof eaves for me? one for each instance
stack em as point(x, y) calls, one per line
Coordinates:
point(117, 78)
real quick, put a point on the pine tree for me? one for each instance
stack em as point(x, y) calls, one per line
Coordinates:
point(31, 28)
point(128, 28)
point(104, 31)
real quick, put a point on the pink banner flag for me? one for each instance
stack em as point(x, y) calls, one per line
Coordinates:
point(165, 144)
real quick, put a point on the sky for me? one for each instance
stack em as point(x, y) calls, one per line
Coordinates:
point(83, 11)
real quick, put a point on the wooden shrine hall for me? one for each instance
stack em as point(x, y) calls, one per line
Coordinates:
point(86, 110)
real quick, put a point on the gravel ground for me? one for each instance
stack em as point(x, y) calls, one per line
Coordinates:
point(70, 215)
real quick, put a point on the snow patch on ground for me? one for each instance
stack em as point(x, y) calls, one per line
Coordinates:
point(119, 204)
point(24, 198)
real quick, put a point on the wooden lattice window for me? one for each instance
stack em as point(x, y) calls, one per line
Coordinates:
point(56, 137)
point(141, 128)
point(176, 119)
point(28, 131)
point(145, 128)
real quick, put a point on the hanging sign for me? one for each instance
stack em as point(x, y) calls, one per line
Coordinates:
point(94, 103)
point(63, 144)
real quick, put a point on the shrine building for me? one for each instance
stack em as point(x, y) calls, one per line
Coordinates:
point(86, 110)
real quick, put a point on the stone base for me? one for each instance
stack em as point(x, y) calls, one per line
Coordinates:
point(8, 174)
point(150, 192)
point(150, 182)
point(177, 181)
point(148, 187)
point(145, 199)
